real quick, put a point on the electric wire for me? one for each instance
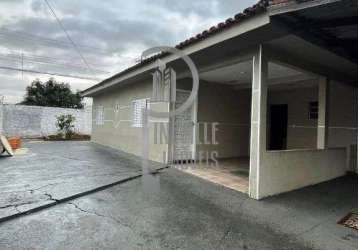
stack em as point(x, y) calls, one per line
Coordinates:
point(68, 35)
point(48, 73)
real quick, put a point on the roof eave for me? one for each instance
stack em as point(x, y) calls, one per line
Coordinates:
point(243, 27)
point(284, 6)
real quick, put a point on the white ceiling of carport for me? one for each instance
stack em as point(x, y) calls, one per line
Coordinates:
point(241, 73)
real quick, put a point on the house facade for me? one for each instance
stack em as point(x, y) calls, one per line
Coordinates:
point(278, 87)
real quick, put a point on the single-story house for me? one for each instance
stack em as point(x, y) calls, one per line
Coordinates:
point(280, 83)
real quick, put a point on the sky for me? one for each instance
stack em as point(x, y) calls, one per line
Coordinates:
point(109, 35)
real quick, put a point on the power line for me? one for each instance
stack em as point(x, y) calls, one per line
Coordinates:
point(64, 66)
point(49, 73)
point(18, 55)
point(47, 60)
point(44, 40)
point(68, 36)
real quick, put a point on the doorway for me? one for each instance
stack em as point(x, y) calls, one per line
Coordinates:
point(278, 127)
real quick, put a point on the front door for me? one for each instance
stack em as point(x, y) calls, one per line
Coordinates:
point(278, 127)
point(183, 141)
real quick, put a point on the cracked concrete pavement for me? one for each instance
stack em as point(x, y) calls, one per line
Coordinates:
point(185, 212)
point(170, 210)
point(53, 171)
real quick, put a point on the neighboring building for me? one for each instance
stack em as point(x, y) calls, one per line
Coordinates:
point(281, 81)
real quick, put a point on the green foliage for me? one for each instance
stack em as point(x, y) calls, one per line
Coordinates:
point(52, 94)
point(65, 125)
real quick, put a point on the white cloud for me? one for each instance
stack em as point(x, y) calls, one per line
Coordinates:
point(111, 34)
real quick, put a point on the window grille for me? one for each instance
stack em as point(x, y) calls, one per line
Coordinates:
point(138, 107)
point(100, 115)
point(313, 111)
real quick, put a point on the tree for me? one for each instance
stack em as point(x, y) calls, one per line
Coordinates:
point(52, 94)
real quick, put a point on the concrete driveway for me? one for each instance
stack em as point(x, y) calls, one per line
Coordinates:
point(170, 210)
point(52, 171)
point(187, 212)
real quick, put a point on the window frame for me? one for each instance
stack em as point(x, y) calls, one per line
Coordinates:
point(137, 115)
point(313, 110)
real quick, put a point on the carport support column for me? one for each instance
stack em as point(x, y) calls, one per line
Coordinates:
point(258, 120)
point(323, 112)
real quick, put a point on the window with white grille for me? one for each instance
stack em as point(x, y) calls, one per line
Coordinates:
point(313, 111)
point(138, 107)
point(100, 115)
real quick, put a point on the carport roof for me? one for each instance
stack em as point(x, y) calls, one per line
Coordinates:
point(261, 7)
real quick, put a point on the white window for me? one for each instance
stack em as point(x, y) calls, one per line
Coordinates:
point(100, 115)
point(313, 111)
point(116, 107)
point(137, 112)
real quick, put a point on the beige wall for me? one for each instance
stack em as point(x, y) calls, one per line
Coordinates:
point(280, 171)
point(283, 171)
point(216, 103)
point(231, 110)
point(121, 135)
point(343, 115)
point(301, 132)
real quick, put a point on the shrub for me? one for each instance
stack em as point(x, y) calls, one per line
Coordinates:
point(65, 125)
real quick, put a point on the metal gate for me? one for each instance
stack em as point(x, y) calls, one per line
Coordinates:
point(183, 130)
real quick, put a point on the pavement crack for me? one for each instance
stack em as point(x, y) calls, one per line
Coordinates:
point(51, 198)
point(7, 206)
point(15, 206)
point(225, 235)
point(54, 202)
point(59, 156)
point(310, 229)
point(95, 213)
point(48, 185)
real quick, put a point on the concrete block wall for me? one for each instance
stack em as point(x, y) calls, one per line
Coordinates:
point(35, 121)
